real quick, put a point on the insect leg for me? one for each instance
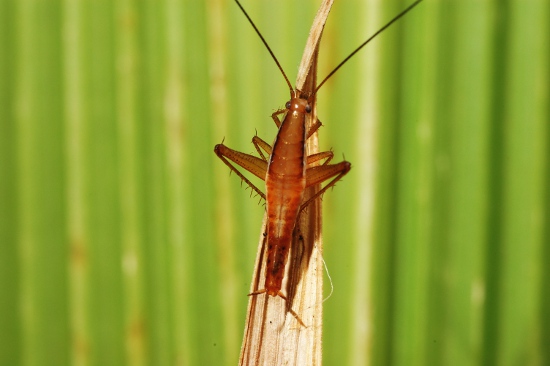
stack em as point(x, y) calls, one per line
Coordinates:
point(319, 174)
point(275, 114)
point(314, 127)
point(259, 143)
point(311, 129)
point(320, 156)
point(254, 165)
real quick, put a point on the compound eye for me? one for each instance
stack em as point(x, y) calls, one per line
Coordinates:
point(287, 105)
point(308, 108)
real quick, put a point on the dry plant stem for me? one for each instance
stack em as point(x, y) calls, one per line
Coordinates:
point(272, 334)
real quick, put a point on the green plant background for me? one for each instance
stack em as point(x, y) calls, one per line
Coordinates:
point(124, 241)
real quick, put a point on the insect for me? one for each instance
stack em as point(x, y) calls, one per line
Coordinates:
point(287, 170)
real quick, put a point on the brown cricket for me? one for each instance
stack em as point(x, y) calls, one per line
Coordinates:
point(287, 170)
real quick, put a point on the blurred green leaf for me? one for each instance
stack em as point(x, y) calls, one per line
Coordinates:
point(125, 241)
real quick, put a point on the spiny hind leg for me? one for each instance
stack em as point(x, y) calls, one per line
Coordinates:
point(321, 173)
point(254, 165)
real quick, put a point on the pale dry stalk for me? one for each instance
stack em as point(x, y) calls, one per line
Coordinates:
point(272, 335)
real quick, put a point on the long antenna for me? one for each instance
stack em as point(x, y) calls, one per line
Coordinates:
point(267, 46)
point(364, 43)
